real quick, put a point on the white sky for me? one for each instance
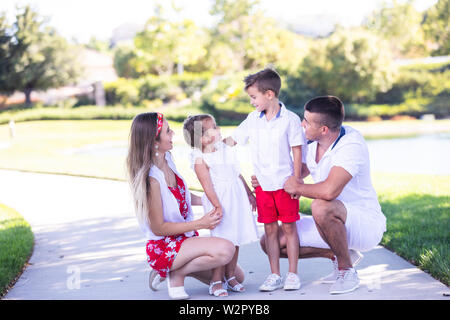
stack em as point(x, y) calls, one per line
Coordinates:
point(82, 19)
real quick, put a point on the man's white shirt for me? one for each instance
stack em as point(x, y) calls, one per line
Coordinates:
point(350, 153)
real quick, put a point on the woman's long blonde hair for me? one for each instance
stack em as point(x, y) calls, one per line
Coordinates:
point(139, 161)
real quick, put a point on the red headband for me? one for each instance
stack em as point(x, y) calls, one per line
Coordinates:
point(159, 123)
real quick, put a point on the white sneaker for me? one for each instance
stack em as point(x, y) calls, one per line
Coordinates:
point(347, 281)
point(292, 282)
point(355, 258)
point(272, 283)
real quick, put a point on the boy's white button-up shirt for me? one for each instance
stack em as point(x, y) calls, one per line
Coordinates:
point(349, 152)
point(270, 145)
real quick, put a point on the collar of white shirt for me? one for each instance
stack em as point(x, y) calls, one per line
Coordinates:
point(280, 112)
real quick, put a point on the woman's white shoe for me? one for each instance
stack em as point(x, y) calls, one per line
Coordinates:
point(155, 280)
point(176, 293)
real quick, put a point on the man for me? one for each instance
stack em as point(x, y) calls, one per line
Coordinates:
point(346, 213)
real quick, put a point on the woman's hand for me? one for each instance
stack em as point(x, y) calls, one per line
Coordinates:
point(211, 219)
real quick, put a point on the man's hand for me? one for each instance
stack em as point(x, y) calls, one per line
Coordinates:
point(291, 185)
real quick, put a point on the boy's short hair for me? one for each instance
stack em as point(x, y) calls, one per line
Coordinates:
point(331, 109)
point(190, 130)
point(267, 79)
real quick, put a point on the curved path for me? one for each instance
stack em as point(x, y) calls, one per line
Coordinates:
point(88, 246)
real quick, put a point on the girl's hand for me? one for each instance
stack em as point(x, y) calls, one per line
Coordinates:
point(218, 211)
point(252, 200)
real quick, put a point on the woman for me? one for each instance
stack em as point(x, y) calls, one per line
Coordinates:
point(163, 208)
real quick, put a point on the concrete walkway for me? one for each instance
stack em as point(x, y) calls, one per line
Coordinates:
point(88, 246)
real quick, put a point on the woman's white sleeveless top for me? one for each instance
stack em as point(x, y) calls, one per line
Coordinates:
point(171, 210)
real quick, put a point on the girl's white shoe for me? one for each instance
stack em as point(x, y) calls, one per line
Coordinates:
point(237, 288)
point(176, 293)
point(219, 292)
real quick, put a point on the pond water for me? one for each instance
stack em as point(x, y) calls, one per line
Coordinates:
point(427, 154)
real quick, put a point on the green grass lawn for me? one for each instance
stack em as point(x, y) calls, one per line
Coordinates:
point(16, 244)
point(417, 207)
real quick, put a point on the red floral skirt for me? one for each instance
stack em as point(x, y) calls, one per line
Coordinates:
point(162, 253)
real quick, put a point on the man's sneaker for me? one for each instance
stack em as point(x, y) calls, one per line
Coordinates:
point(347, 281)
point(292, 282)
point(355, 258)
point(272, 283)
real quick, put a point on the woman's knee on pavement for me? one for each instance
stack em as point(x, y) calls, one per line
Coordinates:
point(223, 250)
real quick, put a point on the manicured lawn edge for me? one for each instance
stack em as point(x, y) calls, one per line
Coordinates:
point(16, 247)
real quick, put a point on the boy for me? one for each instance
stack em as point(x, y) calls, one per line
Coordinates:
point(273, 132)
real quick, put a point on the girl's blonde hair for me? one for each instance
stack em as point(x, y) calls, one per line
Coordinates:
point(139, 161)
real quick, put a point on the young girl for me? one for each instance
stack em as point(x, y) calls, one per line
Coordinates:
point(226, 191)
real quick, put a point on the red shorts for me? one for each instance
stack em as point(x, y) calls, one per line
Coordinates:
point(276, 205)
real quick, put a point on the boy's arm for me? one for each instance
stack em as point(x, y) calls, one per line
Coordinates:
point(297, 153)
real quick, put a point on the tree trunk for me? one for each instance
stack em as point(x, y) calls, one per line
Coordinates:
point(28, 97)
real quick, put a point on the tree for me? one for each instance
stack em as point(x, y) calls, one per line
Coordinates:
point(400, 23)
point(437, 26)
point(163, 44)
point(351, 64)
point(36, 58)
point(244, 38)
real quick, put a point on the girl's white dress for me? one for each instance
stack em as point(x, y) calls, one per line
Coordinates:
point(238, 223)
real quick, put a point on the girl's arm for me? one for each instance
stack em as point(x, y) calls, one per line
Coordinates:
point(163, 228)
point(250, 195)
point(196, 200)
point(202, 172)
point(249, 192)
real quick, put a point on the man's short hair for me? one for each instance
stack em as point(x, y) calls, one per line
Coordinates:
point(267, 79)
point(331, 109)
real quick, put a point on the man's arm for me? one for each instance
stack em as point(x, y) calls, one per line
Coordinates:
point(328, 190)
